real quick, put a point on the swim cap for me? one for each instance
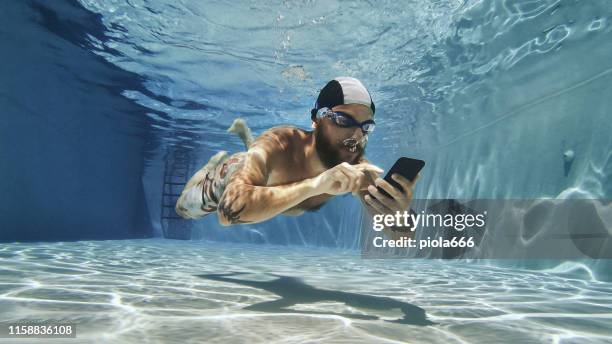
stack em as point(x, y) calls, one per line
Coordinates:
point(342, 90)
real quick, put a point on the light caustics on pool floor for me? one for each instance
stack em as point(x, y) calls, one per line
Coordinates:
point(154, 290)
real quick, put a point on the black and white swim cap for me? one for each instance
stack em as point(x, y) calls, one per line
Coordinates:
point(342, 90)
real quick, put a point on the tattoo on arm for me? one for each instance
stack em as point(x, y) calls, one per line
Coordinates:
point(233, 216)
point(241, 197)
point(232, 205)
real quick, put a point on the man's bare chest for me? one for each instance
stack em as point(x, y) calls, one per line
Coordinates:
point(293, 173)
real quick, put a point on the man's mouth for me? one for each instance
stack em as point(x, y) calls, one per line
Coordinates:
point(351, 144)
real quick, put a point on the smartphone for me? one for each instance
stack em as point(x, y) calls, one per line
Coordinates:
point(407, 167)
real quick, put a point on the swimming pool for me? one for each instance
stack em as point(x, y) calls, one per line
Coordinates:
point(108, 102)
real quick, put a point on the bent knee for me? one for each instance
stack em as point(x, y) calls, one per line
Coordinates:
point(190, 204)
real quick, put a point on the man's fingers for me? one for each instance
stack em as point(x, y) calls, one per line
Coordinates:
point(386, 201)
point(371, 176)
point(353, 176)
point(364, 166)
point(403, 181)
point(376, 205)
point(342, 179)
point(359, 181)
point(364, 186)
point(354, 183)
point(391, 190)
point(356, 176)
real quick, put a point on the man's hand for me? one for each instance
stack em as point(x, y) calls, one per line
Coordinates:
point(344, 178)
point(399, 201)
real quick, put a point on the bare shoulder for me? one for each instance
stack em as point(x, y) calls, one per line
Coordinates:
point(280, 135)
point(269, 149)
point(277, 140)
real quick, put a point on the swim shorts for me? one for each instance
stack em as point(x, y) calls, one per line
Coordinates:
point(202, 198)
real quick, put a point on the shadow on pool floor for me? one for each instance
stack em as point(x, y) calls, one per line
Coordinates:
point(294, 291)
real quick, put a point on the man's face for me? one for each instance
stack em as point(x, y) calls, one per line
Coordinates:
point(334, 142)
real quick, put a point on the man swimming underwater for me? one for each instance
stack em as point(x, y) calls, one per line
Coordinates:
point(287, 170)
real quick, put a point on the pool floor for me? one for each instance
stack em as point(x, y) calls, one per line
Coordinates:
point(149, 291)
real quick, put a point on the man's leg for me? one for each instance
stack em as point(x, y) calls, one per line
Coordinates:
point(240, 128)
point(192, 204)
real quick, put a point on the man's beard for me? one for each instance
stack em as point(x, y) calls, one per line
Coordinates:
point(329, 153)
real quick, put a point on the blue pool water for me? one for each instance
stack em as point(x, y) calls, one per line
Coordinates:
point(102, 99)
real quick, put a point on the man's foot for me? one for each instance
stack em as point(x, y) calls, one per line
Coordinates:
point(240, 128)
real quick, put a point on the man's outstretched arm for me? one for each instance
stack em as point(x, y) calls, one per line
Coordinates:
point(246, 199)
point(245, 203)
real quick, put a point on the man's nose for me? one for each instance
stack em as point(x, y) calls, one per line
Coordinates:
point(358, 133)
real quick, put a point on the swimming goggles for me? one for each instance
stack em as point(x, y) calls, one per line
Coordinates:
point(345, 120)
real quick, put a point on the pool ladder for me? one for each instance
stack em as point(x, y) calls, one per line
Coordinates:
point(176, 175)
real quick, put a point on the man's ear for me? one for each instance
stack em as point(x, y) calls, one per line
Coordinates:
point(313, 125)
